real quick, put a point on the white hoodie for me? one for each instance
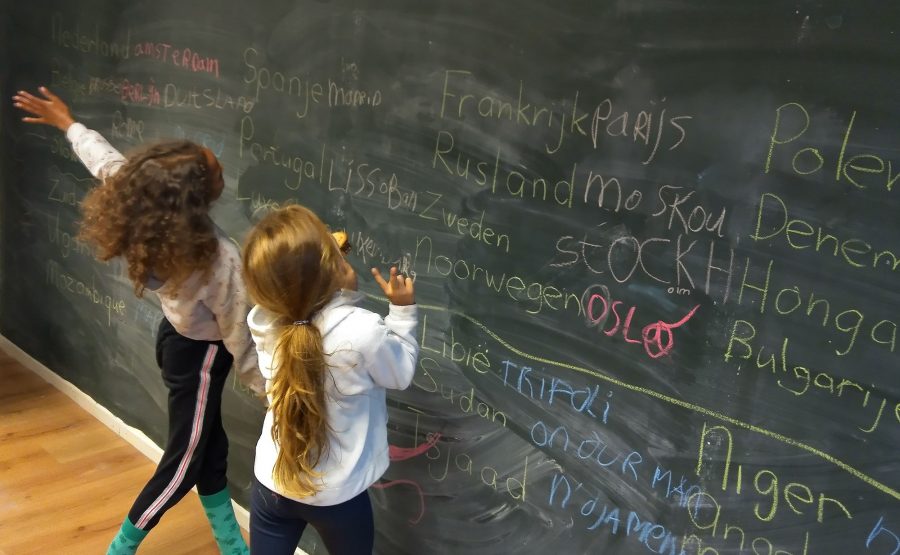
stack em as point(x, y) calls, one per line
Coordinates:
point(365, 354)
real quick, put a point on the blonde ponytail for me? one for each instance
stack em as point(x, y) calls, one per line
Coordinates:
point(298, 409)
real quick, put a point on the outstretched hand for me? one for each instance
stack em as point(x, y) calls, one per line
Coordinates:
point(50, 110)
point(399, 289)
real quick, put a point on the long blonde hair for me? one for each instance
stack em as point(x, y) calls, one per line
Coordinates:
point(291, 268)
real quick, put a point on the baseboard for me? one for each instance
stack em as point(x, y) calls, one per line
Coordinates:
point(130, 434)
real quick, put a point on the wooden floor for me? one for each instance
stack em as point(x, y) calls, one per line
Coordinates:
point(67, 481)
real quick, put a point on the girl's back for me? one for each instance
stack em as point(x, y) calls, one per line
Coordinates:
point(152, 211)
point(327, 363)
point(365, 355)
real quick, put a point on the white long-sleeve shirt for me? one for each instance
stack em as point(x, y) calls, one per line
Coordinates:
point(365, 355)
point(210, 309)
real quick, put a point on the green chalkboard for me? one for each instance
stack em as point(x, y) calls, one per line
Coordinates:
point(655, 246)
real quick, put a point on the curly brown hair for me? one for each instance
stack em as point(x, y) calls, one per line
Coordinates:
point(154, 212)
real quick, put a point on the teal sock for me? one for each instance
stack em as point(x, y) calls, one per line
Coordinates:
point(127, 540)
point(224, 526)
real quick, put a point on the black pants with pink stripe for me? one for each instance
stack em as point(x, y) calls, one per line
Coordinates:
point(197, 448)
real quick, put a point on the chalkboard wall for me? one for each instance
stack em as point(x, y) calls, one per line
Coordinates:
point(655, 246)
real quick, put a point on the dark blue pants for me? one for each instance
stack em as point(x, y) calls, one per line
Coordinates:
point(276, 524)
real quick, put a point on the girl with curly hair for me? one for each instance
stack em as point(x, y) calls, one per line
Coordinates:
point(152, 209)
point(328, 363)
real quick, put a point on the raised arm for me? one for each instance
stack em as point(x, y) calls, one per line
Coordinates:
point(392, 363)
point(94, 151)
point(392, 359)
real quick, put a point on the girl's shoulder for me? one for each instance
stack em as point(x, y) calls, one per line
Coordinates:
point(228, 256)
point(344, 308)
point(227, 245)
point(344, 317)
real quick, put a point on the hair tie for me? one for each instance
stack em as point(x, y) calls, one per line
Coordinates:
point(301, 322)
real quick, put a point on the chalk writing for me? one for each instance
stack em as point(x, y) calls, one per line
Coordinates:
point(199, 98)
point(68, 284)
point(772, 223)
point(348, 175)
point(792, 121)
point(798, 379)
point(657, 337)
point(885, 538)
point(791, 302)
point(516, 487)
point(765, 482)
point(529, 383)
point(123, 127)
point(668, 399)
point(467, 402)
point(602, 515)
point(185, 58)
point(214, 141)
point(66, 243)
point(88, 42)
point(459, 99)
point(538, 295)
point(308, 92)
point(705, 514)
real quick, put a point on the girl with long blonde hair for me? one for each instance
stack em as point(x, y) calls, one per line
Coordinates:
point(327, 363)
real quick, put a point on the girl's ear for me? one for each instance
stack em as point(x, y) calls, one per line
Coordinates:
point(214, 175)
